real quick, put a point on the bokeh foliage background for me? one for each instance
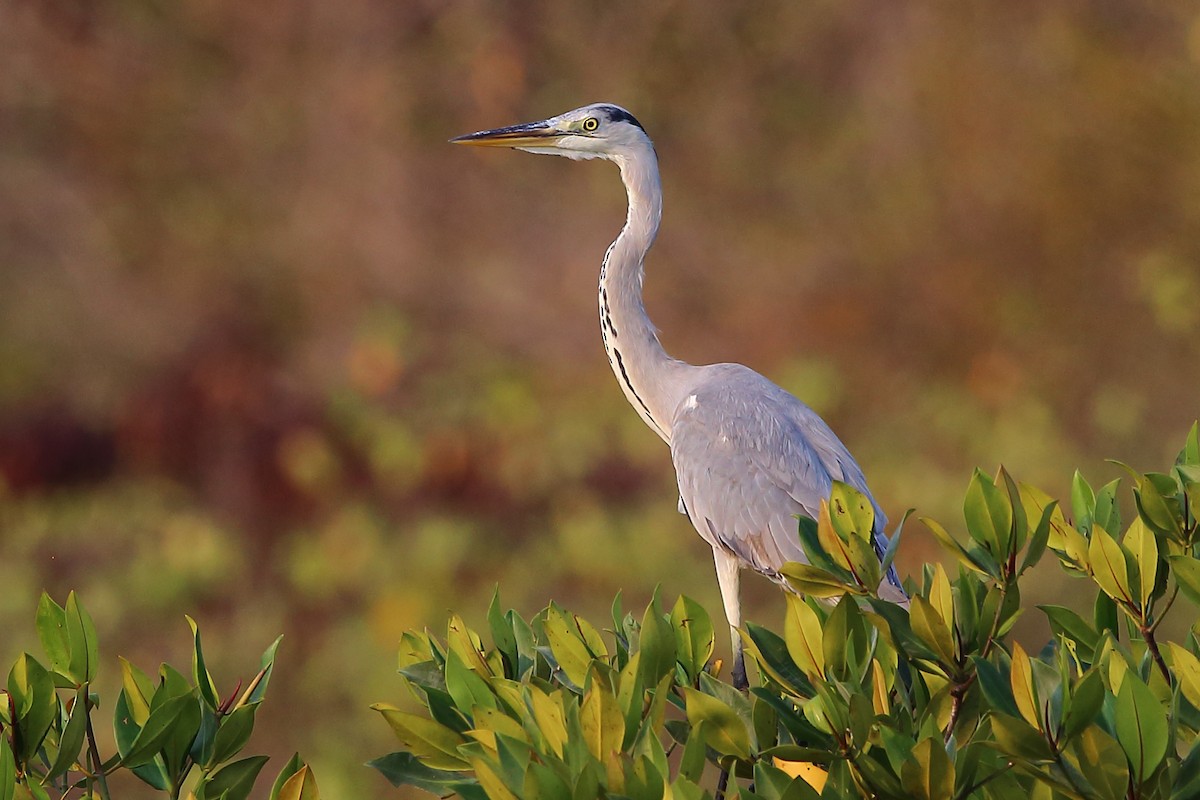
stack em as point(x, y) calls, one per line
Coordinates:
point(272, 354)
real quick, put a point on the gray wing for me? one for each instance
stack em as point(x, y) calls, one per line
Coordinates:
point(749, 458)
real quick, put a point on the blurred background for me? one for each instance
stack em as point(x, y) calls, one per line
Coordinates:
point(274, 355)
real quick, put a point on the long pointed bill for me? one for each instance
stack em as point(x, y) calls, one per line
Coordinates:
point(530, 134)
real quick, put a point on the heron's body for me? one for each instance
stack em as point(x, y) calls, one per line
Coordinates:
point(749, 456)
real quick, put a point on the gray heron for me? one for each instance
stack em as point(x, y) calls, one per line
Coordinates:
point(749, 457)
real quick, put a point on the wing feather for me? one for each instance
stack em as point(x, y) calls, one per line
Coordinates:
point(749, 458)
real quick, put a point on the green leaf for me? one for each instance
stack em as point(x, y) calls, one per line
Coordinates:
point(233, 781)
point(159, 726)
point(70, 743)
point(405, 769)
point(770, 651)
point(1040, 537)
point(1187, 780)
point(988, 514)
point(82, 642)
point(631, 695)
point(1087, 698)
point(929, 773)
point(691, 764)
point(1083, 501)
point(724, 731)
point(803, 635)
point(1101, 761)
point(1068, 624)
point(1016, 737)
point(232, 735)
point(31, 693)
point(1190, 454)
point(1104, 614)
point(657, 644)
point(8, 770)
point(1141, 726)
point(257, 689)
point(1110, 569)
point(974, 559)
point(996, 688)
point(1186, 570)
point(465, 686)
point(52, 631)
point(1153, 507)
point(1108, 511)
point(694, 635)
point(889, 555)
point(200, 675)
point(814, 582)
point(502, 630)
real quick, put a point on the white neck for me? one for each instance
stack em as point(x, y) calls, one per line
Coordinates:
point(652, 380)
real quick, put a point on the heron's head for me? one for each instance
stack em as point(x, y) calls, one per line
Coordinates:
point(600, 130)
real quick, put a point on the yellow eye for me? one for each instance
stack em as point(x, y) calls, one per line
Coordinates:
point(590, 124)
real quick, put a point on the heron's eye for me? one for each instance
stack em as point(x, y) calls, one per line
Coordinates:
point(590, 124)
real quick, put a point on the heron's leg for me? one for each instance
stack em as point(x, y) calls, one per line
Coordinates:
point(729, 579)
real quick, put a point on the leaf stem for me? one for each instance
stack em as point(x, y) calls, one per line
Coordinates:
point(94, 752)
point(1147, 632)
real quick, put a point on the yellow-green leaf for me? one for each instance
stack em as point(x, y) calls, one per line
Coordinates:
point(1109, 568)
point(569, 650)
point(491, 783)
point(302, 785)
point(1098, 756)
point(694, 635)
point(549, 717)
point(1024, 692)
point(940, 596)
point(804, 638)
point(1187, 669)
point(603, 730)
point(928, 624)
point(724, 730)
point(929, 773)
point(465, 642)
point(1186, 570)
point(138, 691)
point(434, 743)
point(1141, 542)
point(496, 721)
point(600, 717)
point(879, 689)
point(833, 544)
point(951, 546)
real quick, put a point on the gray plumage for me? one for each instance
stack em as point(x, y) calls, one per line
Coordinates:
point(749, 456)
